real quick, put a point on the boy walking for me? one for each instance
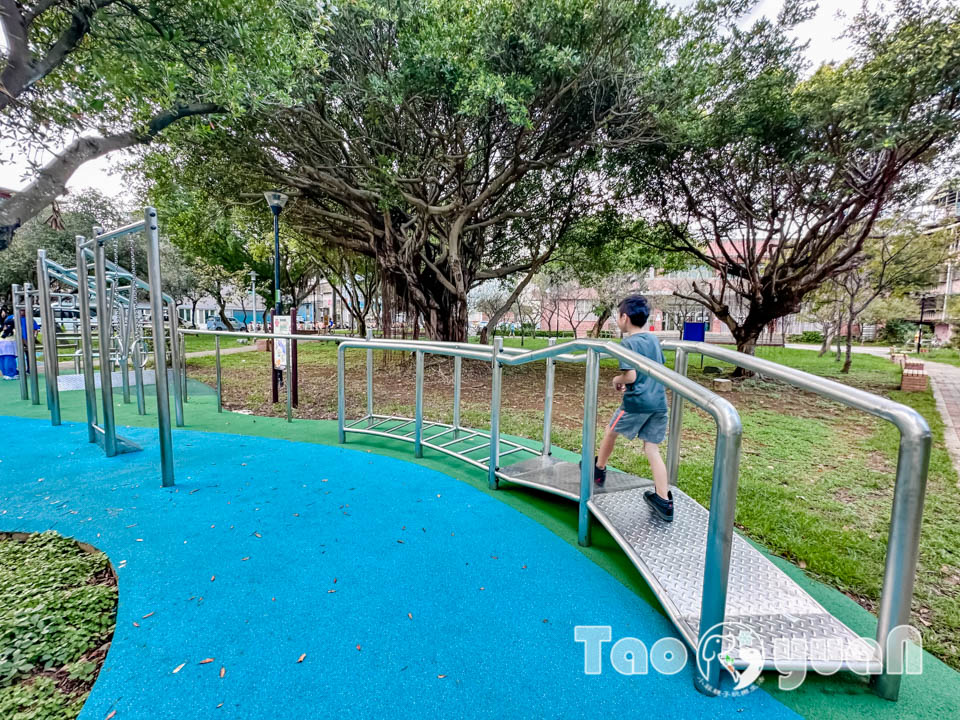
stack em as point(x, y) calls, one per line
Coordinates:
point(643, 411)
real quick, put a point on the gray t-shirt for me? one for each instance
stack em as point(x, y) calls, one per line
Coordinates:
point(646, 395)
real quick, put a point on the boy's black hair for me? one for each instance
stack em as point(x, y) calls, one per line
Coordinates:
point(636, 308)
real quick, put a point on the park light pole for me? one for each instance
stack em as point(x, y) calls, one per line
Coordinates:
point(276, 200)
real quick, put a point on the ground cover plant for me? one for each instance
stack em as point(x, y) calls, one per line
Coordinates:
point(58, 605)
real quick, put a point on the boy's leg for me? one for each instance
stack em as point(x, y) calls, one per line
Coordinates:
point(657, 468)
point(606, 447)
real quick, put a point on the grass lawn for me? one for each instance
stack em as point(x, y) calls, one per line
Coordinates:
point(816, 478)
point(198, 343)
point(57, 613)
point(949, 356)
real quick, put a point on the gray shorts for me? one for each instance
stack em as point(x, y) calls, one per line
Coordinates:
point(651, 427)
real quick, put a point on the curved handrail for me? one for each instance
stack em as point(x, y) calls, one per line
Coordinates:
point(913, 461)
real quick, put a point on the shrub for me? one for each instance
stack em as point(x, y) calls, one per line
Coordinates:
point(808, 336)
point(898, 332)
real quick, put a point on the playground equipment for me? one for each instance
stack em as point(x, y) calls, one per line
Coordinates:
point(702, 572)
point(113, 293)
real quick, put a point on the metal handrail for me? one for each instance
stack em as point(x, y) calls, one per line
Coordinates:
point(726, 458)
point(913, 462)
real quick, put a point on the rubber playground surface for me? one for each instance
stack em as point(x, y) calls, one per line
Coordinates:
point(322, 580)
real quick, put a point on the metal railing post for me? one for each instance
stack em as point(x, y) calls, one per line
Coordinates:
point(178, 384)
point(288, 380)
point(369, 379)
point(159, 345)
point(903, 546)
point(51, 357)
point(341, 395)
point(31, 344)
point(548, 401)
point(86, 341)
point(418, 411)
point(104, 316)
point(588, 445)
point(676, 420)
point(216, 341)
point(18, 315)
point(495, 390)
point(125, 342)
point(457, 380)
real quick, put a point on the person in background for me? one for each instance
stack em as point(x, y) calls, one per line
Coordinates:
point(8, 349)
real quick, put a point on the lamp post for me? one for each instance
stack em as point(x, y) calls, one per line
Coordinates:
point(276, 200)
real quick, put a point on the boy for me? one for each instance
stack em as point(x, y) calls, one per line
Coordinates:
point(643, 412)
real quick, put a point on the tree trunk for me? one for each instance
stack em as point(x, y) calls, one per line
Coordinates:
point(849, 359)
point(601, 321)
point(827, 329)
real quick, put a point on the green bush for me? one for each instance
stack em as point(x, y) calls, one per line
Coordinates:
point(898, 332)
point(808, 337)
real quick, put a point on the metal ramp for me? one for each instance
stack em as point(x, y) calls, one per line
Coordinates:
point(794, 630)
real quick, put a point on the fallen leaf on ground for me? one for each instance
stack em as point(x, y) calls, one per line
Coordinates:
point(441, 677)
point(258, 534)
point(212, 578)
point(331, 591)
point(245, 559)
point(220, 705)
point(112, 713)
point(410, 615)
point(136, 624)
point(300, 659)
point(148, 615)
point(178, 668)
point(223, 671)
point(358, 647)
point(204, 662)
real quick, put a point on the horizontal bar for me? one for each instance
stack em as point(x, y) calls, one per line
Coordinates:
point(117, 232)
point(472, 435)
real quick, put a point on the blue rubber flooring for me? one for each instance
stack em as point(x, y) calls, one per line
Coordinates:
point(410, 594)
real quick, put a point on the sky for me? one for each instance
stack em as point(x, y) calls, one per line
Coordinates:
point(104, 174)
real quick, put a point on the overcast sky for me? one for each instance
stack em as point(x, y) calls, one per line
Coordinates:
point(103, 174)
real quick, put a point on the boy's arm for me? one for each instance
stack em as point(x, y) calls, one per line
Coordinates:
point(628, 376)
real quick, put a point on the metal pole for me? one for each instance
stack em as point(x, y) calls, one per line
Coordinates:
point(21, 356)
point(138, 376)
point(159, 346)
point(253, 295)
point(49, 330)
point(457, 379)
point(495, 390)
point(216, 341)
point(31, 344)
point(369, 380)
point(716, 569)
point(341, 396)
point(548, 401)
point(86, 341)
point(903, 543)
point(588, 445)
point(276, 260)
point(178, 388)
point(676, 420)
point(183, 365)
point(946, 293)
point(418, 412)
point(288, 385)
point(127, 343)
point(104, 316)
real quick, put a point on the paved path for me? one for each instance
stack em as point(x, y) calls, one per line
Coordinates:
point(224, 351)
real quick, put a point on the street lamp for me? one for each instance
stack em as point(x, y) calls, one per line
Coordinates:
point(276, 200)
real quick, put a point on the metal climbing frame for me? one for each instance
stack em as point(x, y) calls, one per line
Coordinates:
point(913, 460)
point(114, 291)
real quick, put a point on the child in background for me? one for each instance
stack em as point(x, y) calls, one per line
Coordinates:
point(8, 349)
point(643, 411)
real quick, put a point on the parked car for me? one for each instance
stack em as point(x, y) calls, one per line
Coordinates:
point(216, 323)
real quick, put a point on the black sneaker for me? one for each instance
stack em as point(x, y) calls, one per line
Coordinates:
point(663, 508)
point(599, 474)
